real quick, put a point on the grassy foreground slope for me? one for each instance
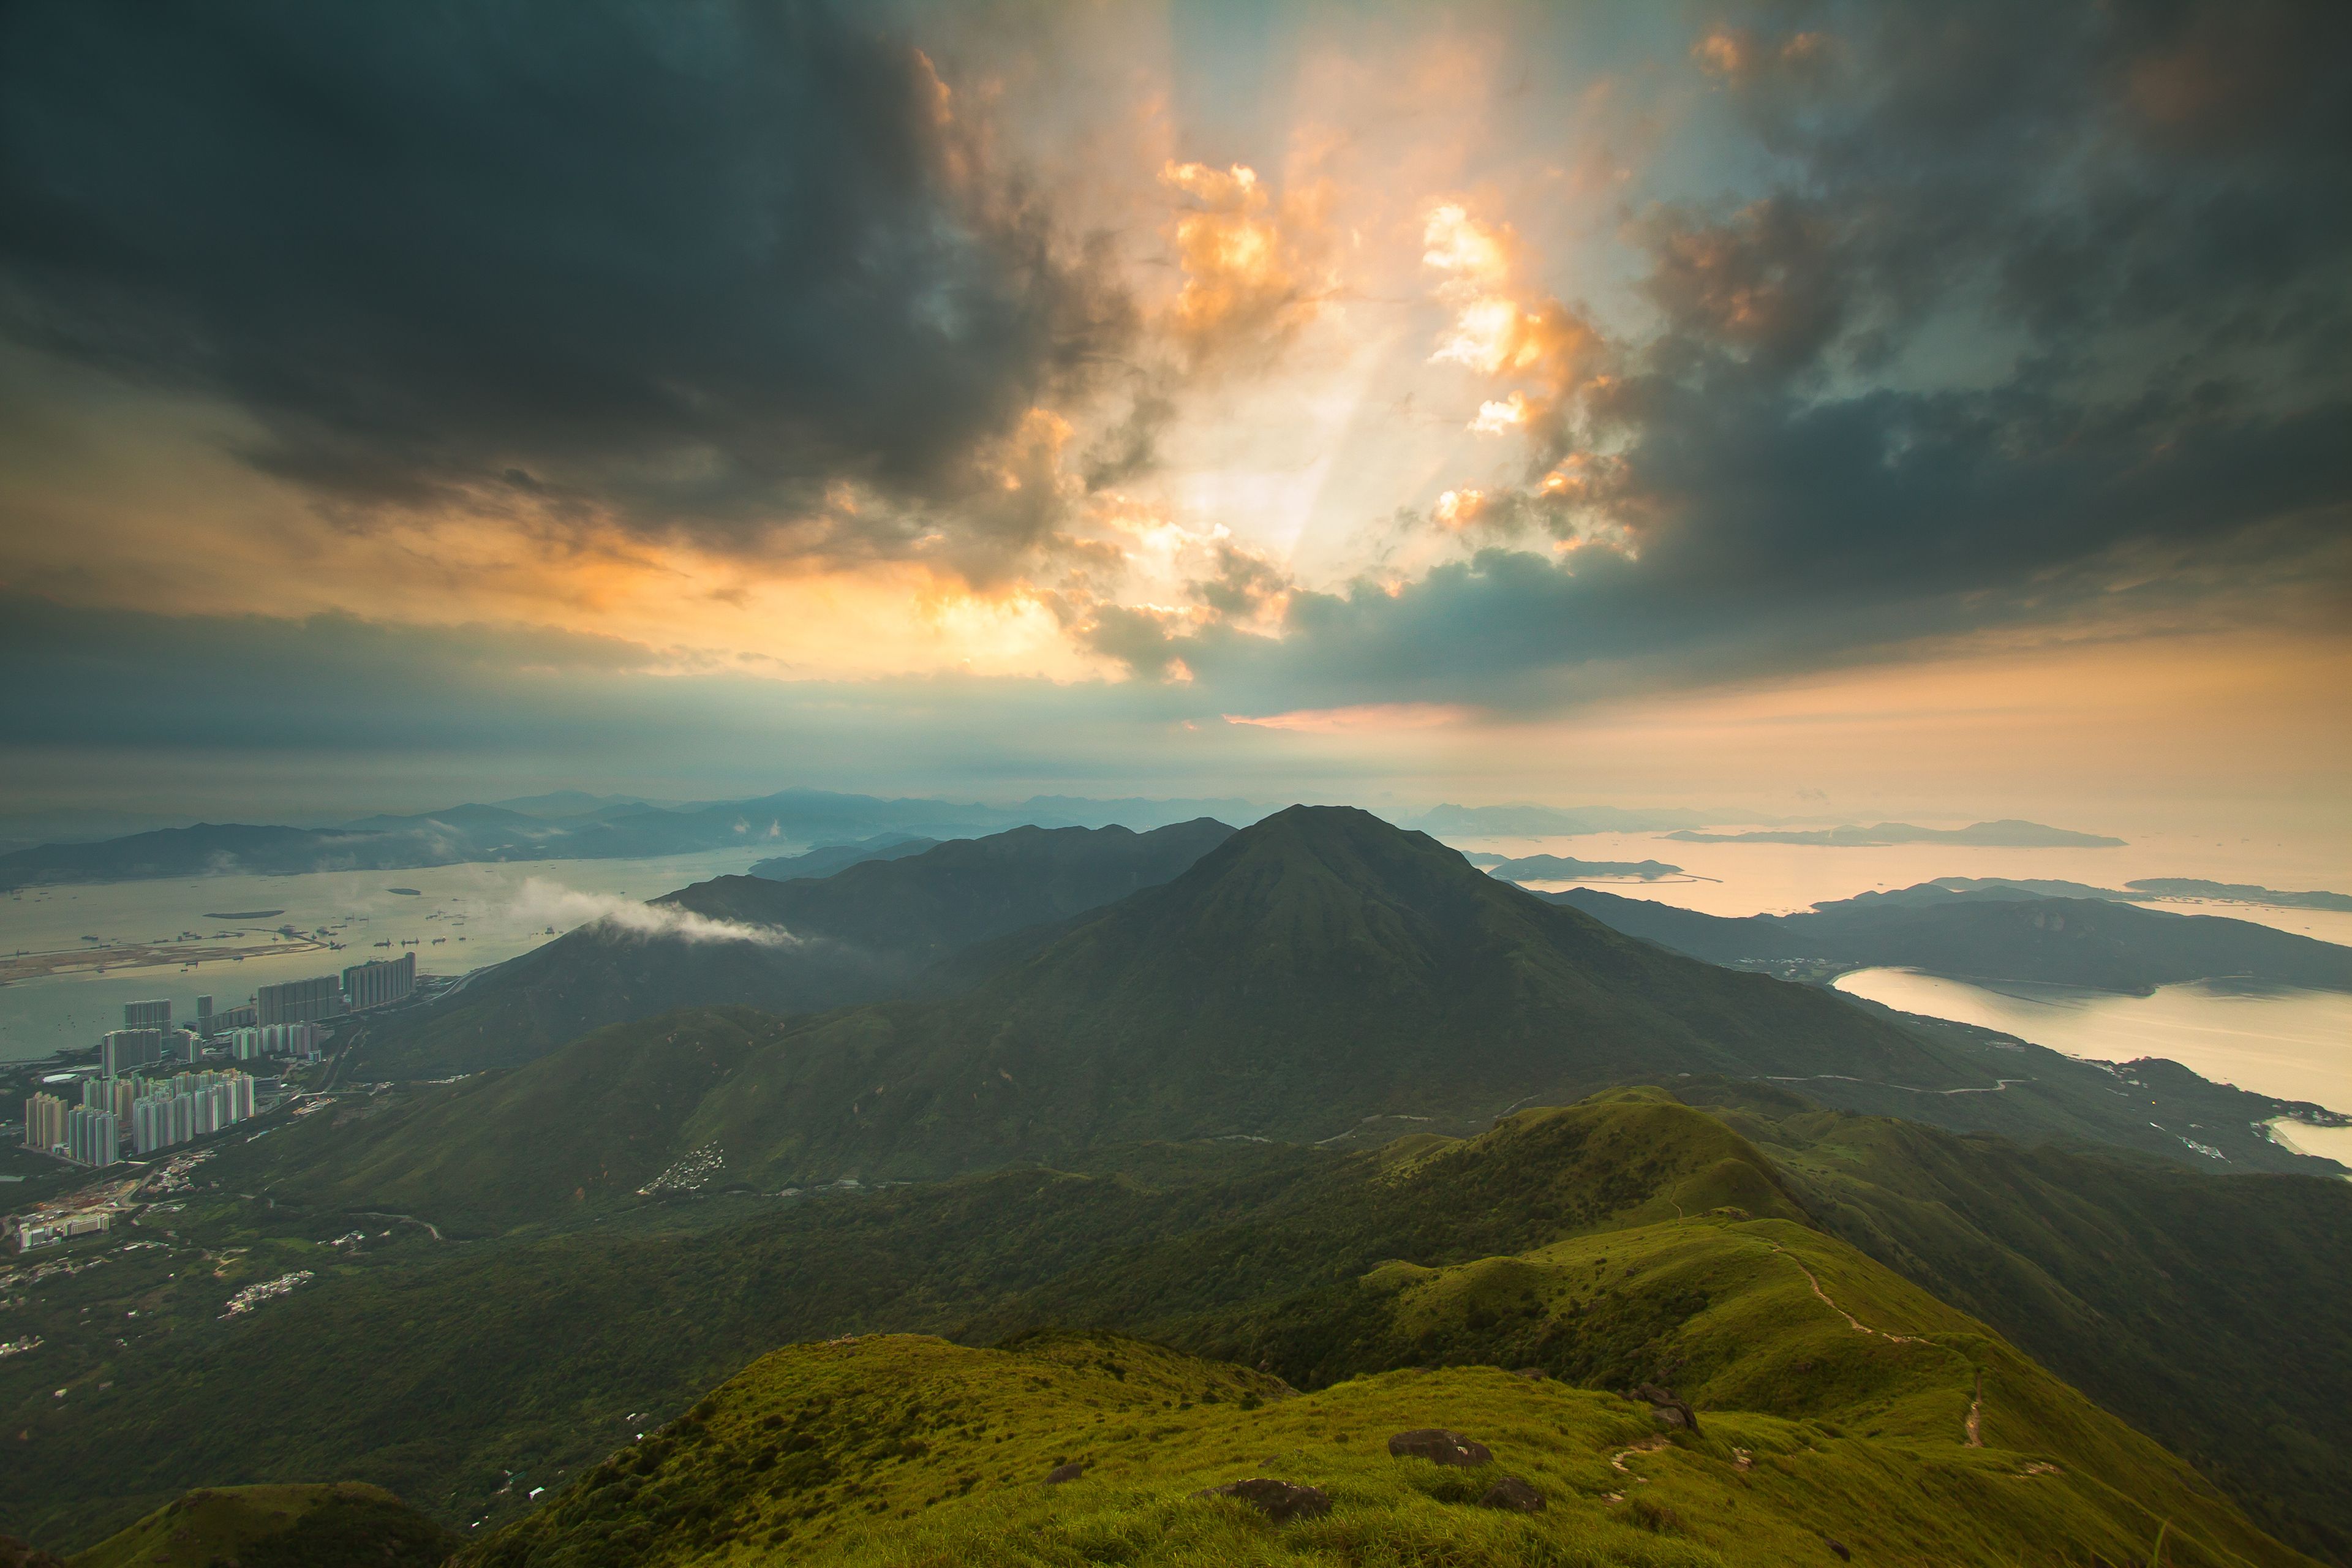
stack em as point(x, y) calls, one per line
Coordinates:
point(441, 1368)
point(907, 1450)
point(2209, 1312)
point(344, 1525)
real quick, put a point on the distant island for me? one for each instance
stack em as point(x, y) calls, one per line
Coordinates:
point(244, 914)
point(2237, 893)
point(2003, 835)
point(405, 892)
point(1566, 869)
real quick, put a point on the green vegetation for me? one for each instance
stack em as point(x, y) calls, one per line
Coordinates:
point(906, 1450)
point(345, 1525)
point(875, 929)
point(461, 1375)
point(2208, 1313)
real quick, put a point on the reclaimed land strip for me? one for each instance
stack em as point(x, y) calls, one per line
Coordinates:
point(140, 955)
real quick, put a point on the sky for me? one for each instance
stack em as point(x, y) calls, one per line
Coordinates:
point(1811, 409)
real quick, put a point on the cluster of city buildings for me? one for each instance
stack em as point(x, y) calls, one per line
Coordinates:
point(152, 1112)
point(132, 1099)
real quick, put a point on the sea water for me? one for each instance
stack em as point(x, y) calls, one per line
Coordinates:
point(458, 917)
point(2274, 1041)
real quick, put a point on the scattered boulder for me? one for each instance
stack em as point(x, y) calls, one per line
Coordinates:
point(15, 1553)
point(1514, 1495)
point(1668, 1407)
point(1439, 1447)
point(1280, 1501)
point(1842, 1554)
point(1069, 1472)
point(1532, 1374)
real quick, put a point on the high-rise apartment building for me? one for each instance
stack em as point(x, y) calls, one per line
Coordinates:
point(156, 1014)
point(275, 1040)
point(301, 1001)
point(93, 1137)
point(189, 1106)
point(205, 1017)
point(381, 983)
point(125, 1051)
point(45, 1122)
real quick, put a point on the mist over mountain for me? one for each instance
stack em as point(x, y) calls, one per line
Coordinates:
point(877, 928)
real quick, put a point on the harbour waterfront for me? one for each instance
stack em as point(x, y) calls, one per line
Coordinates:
point(456, 918)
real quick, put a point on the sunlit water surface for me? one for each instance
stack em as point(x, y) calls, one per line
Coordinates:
point(2296, 1044)
point(461, 917)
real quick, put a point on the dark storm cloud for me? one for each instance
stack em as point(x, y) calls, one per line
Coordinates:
point(2045, 319)
point(665, 263)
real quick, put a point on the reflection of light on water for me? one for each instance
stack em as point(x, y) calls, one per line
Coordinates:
point(2296, 1044)
point(38, 1017)
point(2327, 1143)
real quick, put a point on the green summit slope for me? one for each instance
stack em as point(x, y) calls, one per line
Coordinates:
point(345, 1525)
point(1317, 973)
point(877, 928)
point(1819, 1435)
point(1318, 977)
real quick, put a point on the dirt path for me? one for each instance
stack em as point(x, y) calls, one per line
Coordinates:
point(1975, 1422)
point(430, 1228)
point(1859, 1326)
point(1646, 1446)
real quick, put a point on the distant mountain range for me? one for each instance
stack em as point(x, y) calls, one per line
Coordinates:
point(1565, 867)
point(609, 828)
point(2004, 835)
point(1546, 821)
point(831, 857)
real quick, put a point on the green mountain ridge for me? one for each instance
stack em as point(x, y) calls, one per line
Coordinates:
point(872, 930)
point(437, 1367)
point(1318, 975)
point(1884, 1419)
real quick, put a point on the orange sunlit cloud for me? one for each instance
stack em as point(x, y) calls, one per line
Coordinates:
point(1502, 327)
point(1253, 269)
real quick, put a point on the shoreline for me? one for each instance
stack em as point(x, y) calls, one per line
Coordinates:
point(2329, 1142)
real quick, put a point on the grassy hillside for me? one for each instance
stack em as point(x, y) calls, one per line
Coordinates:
point(2094, 942)
point(909, 1450)
point(2208, 1311)
point(870, 930)
point(443, 1368)
point(346, 1525)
